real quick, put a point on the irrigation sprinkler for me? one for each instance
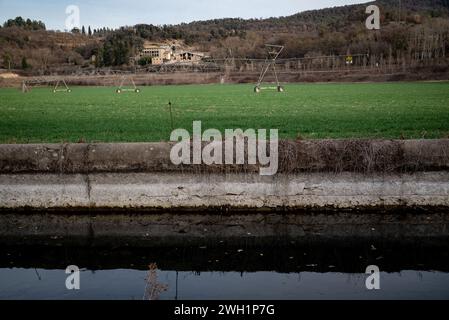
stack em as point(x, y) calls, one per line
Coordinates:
point(270, 63)
point(130, 80)
point(25, 88)
point(60, 84)
point(229, 65)
point(27, 85)
point(65, 88)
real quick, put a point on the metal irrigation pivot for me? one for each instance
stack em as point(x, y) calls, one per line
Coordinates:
point(273, 53)
point(60, 85)
point(122, 87)
point(64, 89)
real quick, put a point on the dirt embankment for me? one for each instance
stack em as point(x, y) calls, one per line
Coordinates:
point(361, 156)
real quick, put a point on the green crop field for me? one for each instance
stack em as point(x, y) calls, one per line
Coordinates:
point(94, 114)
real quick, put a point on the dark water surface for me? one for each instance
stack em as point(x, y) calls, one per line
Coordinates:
point(288, 271)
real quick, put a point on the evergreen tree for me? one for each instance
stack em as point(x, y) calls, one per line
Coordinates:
point(25, 64)
point(7, 61)
point(26, 24)
point(121, 53)
point(108, 58)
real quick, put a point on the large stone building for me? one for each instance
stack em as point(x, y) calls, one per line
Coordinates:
point(160, 54)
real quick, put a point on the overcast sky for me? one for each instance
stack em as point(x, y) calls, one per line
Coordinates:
point(116, 13)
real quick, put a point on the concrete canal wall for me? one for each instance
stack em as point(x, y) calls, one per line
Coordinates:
point(139, 191)
point(312, 174)
point(324, 188)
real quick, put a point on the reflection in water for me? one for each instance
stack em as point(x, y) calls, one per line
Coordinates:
point(131, 284)
point(321, 271)
point(153, 289)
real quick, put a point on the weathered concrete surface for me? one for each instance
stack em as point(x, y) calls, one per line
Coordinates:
point(294, 156)
point(216, 191)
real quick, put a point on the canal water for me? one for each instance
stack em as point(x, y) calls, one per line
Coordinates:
point(221, 271)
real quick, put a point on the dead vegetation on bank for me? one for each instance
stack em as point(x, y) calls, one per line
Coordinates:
point(334, 156)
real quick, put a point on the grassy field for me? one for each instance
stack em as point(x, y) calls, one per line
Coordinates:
point(385, 110)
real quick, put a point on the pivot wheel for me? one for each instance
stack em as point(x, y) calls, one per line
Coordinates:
point(119, 91)
point(257, 89)
point(280, 89)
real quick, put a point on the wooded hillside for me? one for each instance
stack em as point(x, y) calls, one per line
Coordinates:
point(410, 30)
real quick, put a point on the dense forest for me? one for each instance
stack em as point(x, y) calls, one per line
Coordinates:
point(410, 29)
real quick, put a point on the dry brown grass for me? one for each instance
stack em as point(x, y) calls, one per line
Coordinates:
point(335, 156)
